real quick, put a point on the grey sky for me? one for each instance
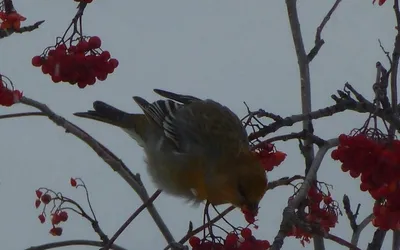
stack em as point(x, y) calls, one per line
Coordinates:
point(231, 51)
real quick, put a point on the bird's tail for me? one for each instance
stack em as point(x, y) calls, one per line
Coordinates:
point(133, 124)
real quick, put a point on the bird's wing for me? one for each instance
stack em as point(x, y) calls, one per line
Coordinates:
point(184, 99)
point(210, 126)
point(162, 113)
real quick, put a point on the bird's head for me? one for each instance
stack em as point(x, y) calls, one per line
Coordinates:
point(245, 185)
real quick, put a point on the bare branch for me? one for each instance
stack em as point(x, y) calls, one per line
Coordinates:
point(131, 218)
point(318, 40)
point(350, 215)
point(385, 51)
point(305, 81)
point(377, 240)
point(356, 234)
point(395, 65)
point(341, 241)
point(299, 135)
point(341, 106)
point(73, 243)
point(108, 157)
point(284, 181)
point(9, 32)
point(22, 115)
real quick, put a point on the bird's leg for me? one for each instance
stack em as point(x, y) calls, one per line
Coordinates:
point(206, 221)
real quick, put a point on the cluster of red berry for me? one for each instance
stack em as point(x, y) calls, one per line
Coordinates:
point(81, 64)
point(270, 157)
point(231, 242)
point(57, 216)
point(8, 96)
point(378, 163)
point(321, 211)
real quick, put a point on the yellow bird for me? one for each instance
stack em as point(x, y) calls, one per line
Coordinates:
point(195, 149)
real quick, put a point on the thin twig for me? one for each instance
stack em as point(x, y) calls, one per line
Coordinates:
point(22, 115)
point(73, 243)
point(319, 42)
point(7, 32)
point(341, 241)
point(131, 218)
point(284, 181)
point(385, 51)
point(299, 135)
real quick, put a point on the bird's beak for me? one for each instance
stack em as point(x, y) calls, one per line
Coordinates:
point(250, 208)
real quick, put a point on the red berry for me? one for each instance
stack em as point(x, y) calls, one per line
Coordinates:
point(231, 240)
point(72, 49)
point(343, 139)
point(61, 47)
point(264, 244)
point(335, 154)
point(56, 78)
point(46, 198)
point(63, 216)
point(327, 200)
point(38, 193)
point(114, 62)
point(364, 186)
point(94, 42)
point(354, 173)
point(105, 55)
point(55, 219)
point(82, 46)
point(72, 181)
point(51, 52)
point(56, 231)
point(194, 241)
point(82, 84)
point(101, 76)
point(246, 233)
point(37, 61)
point(42, 218)
point(37, 203)
point(45, 69)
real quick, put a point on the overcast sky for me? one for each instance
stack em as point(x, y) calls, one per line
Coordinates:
point(229, 50)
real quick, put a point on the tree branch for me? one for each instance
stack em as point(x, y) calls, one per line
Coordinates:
point(8, 32)
point(299, 135)
point(377, 240)
point(112, 160)
point(356, 234)
point(319, 42)
point(131, 218)
point(22, 115)
point(350, 215)
point(73, 243)
point(284, 181)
